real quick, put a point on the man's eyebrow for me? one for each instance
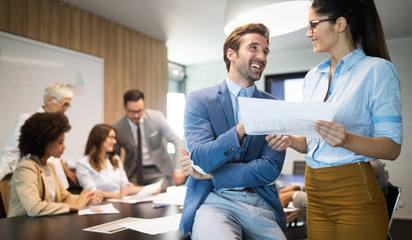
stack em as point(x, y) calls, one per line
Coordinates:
point(253, 43)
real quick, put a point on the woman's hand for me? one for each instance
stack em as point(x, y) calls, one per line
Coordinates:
point(374, 147)
point(334, 134)
point(97, 197)
point(278, 142)
point(188, 167)
point(84, 198)
point(128, 189)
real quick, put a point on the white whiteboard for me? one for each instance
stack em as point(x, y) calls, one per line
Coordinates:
point(28, 66)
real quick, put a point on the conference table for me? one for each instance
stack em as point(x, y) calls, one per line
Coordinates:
point(70, 226)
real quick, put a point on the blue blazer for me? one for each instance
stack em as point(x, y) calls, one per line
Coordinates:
point(212, 140)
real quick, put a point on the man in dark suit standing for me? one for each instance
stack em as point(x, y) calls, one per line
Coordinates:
point(141, 134)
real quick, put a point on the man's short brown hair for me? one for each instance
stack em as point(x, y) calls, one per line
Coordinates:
point(233, 40)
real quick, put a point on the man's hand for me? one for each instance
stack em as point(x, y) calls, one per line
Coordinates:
point(69, 173)
point(286, 198)
point(240, 129)
point(290, 189)
point(188, 167)
point(72, 176)
point(179, 178)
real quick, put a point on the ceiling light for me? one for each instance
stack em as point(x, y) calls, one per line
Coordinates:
point(281, 17)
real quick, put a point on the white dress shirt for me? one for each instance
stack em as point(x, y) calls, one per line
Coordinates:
point(10, 155)
point(108, 180)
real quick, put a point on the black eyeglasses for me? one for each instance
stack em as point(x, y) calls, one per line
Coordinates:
point(65, 105)
point(133, 111)
point(312, 24)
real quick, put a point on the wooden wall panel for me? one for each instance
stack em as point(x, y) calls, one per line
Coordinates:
point(131, 59)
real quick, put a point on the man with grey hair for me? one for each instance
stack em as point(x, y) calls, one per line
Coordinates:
point(57, 98)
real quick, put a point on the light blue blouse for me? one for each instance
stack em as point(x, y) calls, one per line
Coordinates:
point(108, 180)
point(365, 94)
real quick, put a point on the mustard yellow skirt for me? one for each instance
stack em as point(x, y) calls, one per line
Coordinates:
point(345, 202)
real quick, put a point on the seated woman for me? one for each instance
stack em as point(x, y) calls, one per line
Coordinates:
point(100, 168)
point(34, 187)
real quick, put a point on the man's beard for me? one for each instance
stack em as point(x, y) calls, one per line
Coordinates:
point(247, 71)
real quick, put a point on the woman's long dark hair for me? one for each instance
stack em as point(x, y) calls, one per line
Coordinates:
point(97, 136)
point(363, 20)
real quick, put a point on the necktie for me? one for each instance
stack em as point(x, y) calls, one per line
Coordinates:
point(242, 93)
point(139, 166)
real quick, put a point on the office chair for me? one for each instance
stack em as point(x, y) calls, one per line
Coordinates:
point(299, 167)
point(392, 202)
point(2, 210)
point(4, 195)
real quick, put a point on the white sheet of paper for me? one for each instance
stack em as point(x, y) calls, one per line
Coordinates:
point(98, 209)
point(290, 208)
point(110, 227)
point(155, 225)
point(145, 195)
point(150, 189)
point(265, 116)
point(174, 195)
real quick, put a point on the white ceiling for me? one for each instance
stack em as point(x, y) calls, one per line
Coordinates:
point(193, 29)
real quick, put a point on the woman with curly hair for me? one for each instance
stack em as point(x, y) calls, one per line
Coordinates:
point(100, 168)
point(34, 187)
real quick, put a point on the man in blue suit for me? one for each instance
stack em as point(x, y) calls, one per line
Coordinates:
point(230, 193)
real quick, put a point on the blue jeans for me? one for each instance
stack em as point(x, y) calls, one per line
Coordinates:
point(235, 215)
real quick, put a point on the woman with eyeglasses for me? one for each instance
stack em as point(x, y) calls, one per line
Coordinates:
point(35, 189)
point(344, 198)
point(100, 168)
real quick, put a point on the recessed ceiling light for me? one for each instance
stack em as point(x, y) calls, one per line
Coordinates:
point(281, 18)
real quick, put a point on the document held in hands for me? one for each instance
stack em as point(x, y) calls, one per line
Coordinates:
point(265, 116)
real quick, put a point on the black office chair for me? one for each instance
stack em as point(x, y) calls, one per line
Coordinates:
point(299, 167)
point(2, 210)
point(392, 202)
point(4, 195)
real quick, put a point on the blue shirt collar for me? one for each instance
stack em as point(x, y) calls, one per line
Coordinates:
point(349, 60)
point(234, 88)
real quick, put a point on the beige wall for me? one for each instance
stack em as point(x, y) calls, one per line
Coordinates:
point(131, 59)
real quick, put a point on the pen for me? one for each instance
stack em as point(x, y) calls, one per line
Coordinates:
point(160, 205)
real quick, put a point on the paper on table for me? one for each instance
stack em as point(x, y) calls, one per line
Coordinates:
point(110, 227)
point(145, 195)
point(98, 209)
point(265, 116)
point(290, 208)
point(174, 195)
point(155, 225)
point(150, 189)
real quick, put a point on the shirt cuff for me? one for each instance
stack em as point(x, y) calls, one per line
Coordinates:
point(294, 195)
